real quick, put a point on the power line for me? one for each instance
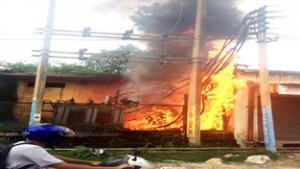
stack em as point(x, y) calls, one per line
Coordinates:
point(110, 35)
point(124, 58)
point(178, 20)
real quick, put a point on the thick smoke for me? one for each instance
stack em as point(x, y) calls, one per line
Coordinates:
point(159, 17)
point(219, 19)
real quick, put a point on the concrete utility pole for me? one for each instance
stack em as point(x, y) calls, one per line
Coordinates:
point(266, 108)
point(41, 74)
point(194, 100)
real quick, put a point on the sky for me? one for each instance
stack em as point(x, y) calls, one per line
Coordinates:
point(19, 20)
point(283, 53)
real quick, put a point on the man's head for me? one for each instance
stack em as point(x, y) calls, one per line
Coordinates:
point(47, 133)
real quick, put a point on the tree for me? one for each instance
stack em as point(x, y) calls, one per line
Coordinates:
point(112, 61)
point(107, 62)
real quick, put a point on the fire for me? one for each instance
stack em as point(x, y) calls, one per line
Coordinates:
point(155, 118)
point(219, 99)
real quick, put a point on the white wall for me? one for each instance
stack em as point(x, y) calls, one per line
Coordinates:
point(241, 116)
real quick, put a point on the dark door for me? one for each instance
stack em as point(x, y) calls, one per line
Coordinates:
point(286, 118)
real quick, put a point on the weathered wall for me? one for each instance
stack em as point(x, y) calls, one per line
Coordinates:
point(83, 88)
point(276, 77)
point(241, 116)
point(79, 90)
point(241, 104)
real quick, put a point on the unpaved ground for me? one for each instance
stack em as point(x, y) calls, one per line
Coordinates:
point(286, 161)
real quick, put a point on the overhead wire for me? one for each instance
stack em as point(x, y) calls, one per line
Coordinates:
point(228, 41)
point(221, 60)
point(178, 20)
point(158, 71)
point(165, 38)
point(243, 29)
point(167, 95)
point(216, 63)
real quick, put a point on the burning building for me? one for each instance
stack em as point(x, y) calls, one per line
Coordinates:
point(231, 102)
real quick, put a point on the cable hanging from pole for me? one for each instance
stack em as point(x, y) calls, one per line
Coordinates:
point(252, 21)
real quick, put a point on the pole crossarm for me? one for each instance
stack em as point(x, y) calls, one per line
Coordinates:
point(97, 56)
point(110, 35)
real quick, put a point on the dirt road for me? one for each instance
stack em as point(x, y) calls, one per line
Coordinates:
point(286, 161)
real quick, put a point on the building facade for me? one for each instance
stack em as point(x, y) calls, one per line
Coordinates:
point(285, 101)
point(245, 121)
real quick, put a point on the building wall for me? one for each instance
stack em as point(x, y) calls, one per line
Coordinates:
point(275, 77)
point(79, 90)
point(241, 116)
point(241, 105)
point(24, 95)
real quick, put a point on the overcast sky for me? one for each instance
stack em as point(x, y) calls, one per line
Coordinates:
point(20, 18)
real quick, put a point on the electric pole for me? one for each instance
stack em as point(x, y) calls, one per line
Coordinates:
point(266, 108)
point(194, 100)
point(41, 74)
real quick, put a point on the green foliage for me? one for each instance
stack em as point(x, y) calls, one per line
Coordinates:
point(53, 68)
point(202, 156)
point(166, 145)
point(112, 61)
point(107, 62)
point(71, 68)
point(93, 128)
point(17, 67)
point(82, 152)
point(3, 141)
point(11, 126)
point(162, 156)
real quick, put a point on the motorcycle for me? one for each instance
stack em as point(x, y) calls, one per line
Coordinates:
point(110, 160)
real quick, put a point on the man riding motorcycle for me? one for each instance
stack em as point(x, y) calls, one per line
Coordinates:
point(32, 155)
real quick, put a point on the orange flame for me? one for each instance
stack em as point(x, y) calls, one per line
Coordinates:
point(219, 102)
point(155, 118)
